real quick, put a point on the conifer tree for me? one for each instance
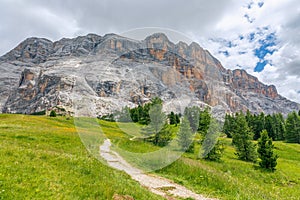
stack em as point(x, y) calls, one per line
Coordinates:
point(204, 121)
point(258, 125)
point(212, 147)
point(227, 127)
point(268, 159)
point(52, 113)
point(192, 114)
point(185, 135)
point(172, 118)
point(242, 140)
point(163, 137)
point(158, 120)
point(293, 128)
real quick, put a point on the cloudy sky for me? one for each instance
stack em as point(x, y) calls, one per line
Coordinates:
point(260, 36)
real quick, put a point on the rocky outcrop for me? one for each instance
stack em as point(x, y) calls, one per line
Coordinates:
point(115, 71)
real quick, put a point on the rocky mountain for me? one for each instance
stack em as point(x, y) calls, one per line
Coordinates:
point(95, 75)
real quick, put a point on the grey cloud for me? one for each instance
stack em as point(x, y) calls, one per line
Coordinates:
point(21, 19)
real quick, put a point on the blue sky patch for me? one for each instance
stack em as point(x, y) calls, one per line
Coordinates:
point(260, 66)
point(263, 50)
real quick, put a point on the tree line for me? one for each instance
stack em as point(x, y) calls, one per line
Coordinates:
point(242, 128)
point(277, 127)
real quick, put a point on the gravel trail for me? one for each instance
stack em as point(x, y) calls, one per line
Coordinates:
point(154, 183)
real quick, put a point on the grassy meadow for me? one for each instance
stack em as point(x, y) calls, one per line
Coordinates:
point(44, 158)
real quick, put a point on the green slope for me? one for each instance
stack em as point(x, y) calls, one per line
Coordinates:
point(43, 158)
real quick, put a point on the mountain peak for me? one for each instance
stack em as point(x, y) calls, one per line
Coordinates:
point(157, 36)
point(171, 65)
point(32, 49)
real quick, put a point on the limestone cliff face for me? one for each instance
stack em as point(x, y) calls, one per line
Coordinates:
point(116, 71)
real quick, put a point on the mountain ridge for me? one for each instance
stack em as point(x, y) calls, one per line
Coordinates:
point(31, 66)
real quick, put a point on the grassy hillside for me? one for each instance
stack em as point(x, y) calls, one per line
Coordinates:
point(229, 179)
point(43, 157)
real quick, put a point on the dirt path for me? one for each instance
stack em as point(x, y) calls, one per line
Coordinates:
point(155, 184)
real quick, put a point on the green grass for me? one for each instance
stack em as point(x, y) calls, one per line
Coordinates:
point(43, 158)
point(229, 179)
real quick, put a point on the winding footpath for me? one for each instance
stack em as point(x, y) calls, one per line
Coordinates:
point(155, 184)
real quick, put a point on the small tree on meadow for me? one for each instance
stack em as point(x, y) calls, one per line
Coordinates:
point(163, 137)
point(212, 147)
point(185, 135)
point(52, 113)
point(172, 118)
point(157, 124)
point(266, 153)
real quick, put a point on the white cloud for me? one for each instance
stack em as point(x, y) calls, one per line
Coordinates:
point(281, 18)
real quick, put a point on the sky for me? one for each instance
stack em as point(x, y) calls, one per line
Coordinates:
point(260, 36)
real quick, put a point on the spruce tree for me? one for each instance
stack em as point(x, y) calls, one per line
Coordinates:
point(192, 114)
point(52, 113)
point(258, 125)
point(177, 118)
point(227, 127)
point(185, 135)
point(204, 121)
point(268, 159)
point(212, 147)
point(279, 126)
point(158, 120)
point(163, 137)
point(269, 126)
point(242, 140)
point(172, 118)
point(293, 128)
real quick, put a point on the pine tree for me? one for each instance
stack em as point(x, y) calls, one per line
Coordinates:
point(192, 114)
point(258, 125)
point(241, 138)
point(204, 121)
point(249, 118)
point(158, 120)
point(293, 128)
point(185, 135)
point(172, 118)
point(163, 137)
point(279, 126)
point(265, 152)
point(269, 126)
point(177, 118)
point(212, 148)
point(227, 127)
point(52, 113)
